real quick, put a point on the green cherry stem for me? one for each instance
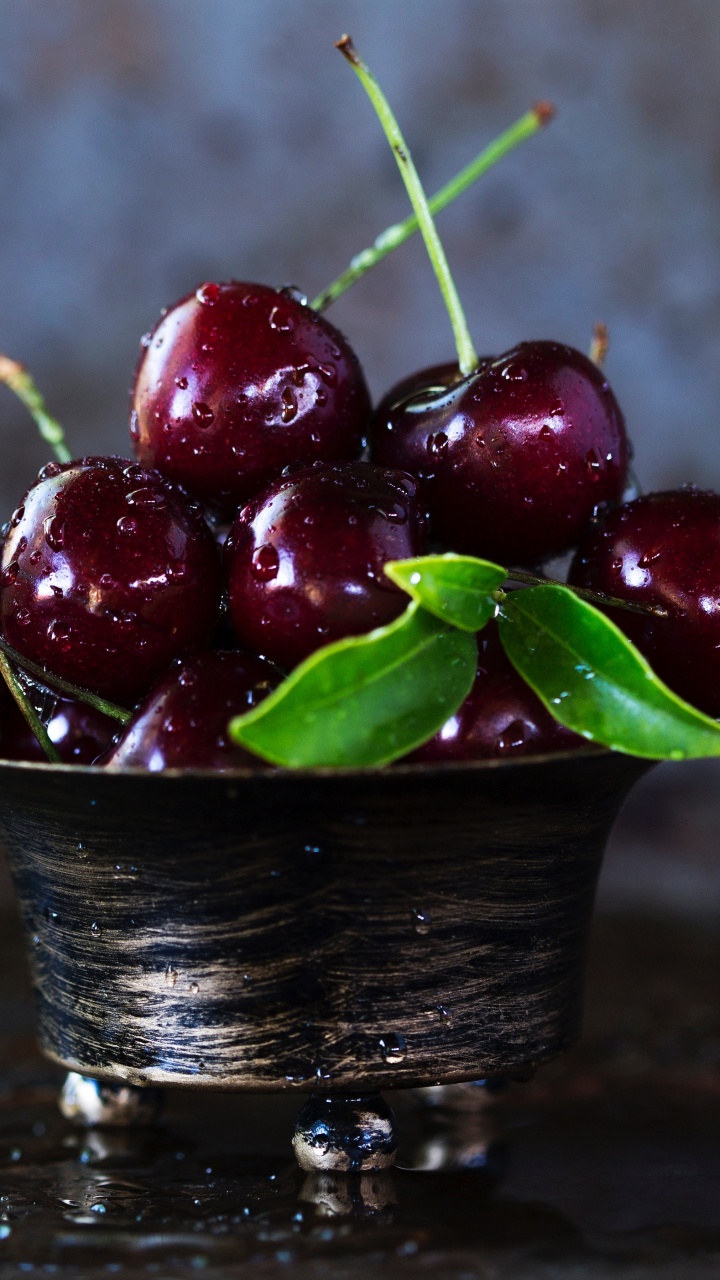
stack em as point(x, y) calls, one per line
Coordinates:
point(526, 127)
point(467, 355)
point(28, 711)
point(16, 377)
point(8, 653)
point(594, 597)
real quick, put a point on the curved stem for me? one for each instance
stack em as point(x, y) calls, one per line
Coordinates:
point(62, 686)
point(526, 127)
point(28, 711)
point(16, 377)
point(467, 355)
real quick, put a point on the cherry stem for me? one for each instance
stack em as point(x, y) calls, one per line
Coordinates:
point(467, 355)
point(58, 684)
point(28, 711)
point(599, 345)
point(526, 127)
point(16, 377)
point(594, 597)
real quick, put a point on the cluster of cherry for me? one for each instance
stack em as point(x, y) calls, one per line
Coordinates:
point(256, 405)
point(267, 497)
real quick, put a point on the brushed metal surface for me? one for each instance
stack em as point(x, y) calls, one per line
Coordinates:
point(266, 931)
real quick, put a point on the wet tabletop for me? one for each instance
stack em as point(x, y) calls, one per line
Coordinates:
point(607, 1164)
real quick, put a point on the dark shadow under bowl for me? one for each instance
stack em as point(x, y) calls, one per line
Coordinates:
point(270, 930)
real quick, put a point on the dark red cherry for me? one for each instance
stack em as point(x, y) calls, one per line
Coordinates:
point(239, 380)
point(79, 732)
point(108, 573)
point(182, 723)
point(664, 549)
point(500, 717)
point(305, 558)
point(517, 457)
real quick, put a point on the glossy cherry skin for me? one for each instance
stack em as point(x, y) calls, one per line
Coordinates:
point(108, 573)
point(434, 378)
point(183, 721)
point(500, 717)
point(79, 732)
point(305, 558)
point(516, 458)
point(664, 549)
point(238, 381)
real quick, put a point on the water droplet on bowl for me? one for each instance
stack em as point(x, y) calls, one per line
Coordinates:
point(421, 920)
point(393, 1047)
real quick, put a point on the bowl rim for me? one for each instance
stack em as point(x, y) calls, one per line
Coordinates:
point(410, 769)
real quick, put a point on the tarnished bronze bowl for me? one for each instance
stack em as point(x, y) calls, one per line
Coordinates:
point(335, 932)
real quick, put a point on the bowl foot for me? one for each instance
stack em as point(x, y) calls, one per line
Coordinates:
point(93, 1102)
point(345, 1134)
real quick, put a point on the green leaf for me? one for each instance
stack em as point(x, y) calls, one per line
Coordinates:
point(457, 589)
point(594, 681)
point(366, 700)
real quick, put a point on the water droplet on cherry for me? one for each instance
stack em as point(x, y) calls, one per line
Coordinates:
point(208, 294)
point(202, 413)
point(49, 470)
point(265, 563)
point(150, 498)
point(289, 405)
point(54, 532)
point(280, 320)
point(514, 372)
point(437, 444)
point(512, 737)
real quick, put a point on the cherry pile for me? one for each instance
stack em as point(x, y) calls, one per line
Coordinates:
point(112, 579)
point(265, 497)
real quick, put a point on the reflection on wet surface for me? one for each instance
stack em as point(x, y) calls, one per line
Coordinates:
point(606, 1165)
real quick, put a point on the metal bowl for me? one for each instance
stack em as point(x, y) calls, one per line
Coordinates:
point(336, 931)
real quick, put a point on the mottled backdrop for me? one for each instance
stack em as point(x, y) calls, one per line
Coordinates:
point(146, 145)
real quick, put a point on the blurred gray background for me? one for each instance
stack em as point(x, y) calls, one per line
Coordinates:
point(146, 145)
